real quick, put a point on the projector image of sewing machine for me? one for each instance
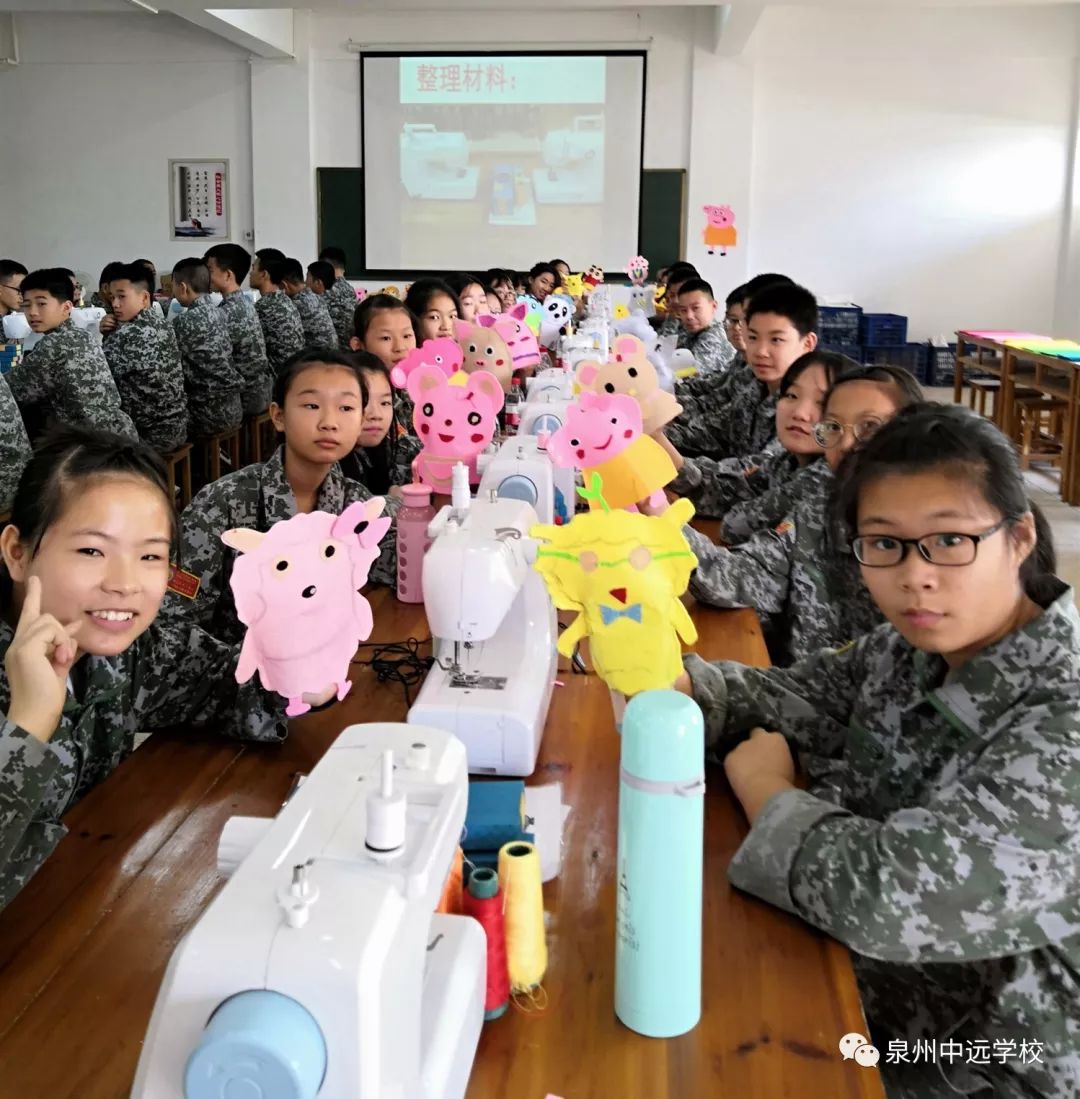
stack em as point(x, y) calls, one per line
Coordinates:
point(493, 630)
point(522, 470)
point(435, 164)
point(321, 968)
point(573, 169)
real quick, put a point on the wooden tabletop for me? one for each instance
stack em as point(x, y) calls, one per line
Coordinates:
point(84, 945)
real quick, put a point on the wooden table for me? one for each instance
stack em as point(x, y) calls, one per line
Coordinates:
point(84, 946)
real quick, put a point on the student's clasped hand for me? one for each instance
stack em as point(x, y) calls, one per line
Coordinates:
point(38, 662)
point(758, 768)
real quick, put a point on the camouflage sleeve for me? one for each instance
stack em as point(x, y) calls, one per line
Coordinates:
point(186, 677)
point(810, 702)
point(14, 446)
point(712, 351)
point(986, 868)
point(31, 380)
point(756, 574)
point(716, 487)
point(762, 510)
point(27, 766)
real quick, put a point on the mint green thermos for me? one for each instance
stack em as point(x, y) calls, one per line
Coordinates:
point(660, 853)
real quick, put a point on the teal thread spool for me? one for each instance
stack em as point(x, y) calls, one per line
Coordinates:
point(659, 863)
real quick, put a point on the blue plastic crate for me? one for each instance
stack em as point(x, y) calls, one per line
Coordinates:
point(852, 350)
point(913, 357)
point(883, 330)
point(839, 324)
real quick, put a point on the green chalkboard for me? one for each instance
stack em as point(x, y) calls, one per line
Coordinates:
point(661, 237)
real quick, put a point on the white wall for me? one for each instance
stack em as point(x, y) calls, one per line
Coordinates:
point(915, 162)
point(88, 122)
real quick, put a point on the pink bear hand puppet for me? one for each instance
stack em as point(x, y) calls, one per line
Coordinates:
point(443, 353)
point(297, 589)
point(602, 434)
point(520, 338)
point(485, 349)
point(454, 421)
point(629, 371)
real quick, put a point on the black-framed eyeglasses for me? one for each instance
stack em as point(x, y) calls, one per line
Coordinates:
point(732, 322)
point(949, 548)
point(829, 433)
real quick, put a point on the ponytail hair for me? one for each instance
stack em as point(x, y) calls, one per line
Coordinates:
point(961, 444)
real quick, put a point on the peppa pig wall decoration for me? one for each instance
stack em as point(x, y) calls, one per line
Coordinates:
point(720, 231)
point(297, 589)
point(453, 421)
point(602, 435)
point(443, 353)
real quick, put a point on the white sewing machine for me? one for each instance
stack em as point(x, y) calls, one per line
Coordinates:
point(494, 630)
point(574, 163)
point(522, 470)
point(549, 382)
point(436, 164)
point(321, 967)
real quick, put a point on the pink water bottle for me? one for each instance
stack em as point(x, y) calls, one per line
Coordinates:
point(413, 517)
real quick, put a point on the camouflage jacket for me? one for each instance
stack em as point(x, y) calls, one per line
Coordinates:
point(944, 850)
point(729, 416)
point(318, 326)
point(282, 330)
point(146, 365)
point(806, 589)
point(14, 446)
point(66, 375)
point(169, 677)
point(212, 383)
point(341, 303)
point(248, 351)
point(256, 496)
point(360, 466)
point(710, 347)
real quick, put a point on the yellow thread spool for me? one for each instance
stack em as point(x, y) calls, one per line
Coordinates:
point(523, 908)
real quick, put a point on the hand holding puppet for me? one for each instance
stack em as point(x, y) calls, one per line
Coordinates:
point(629, 371)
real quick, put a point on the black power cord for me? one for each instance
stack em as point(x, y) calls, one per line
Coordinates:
point(399, 662)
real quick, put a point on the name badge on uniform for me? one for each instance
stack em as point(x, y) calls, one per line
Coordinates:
point(184, 583)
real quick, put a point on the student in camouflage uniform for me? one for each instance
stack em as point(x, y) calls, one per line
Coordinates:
point(383, 457)
point(943, 845)
point(145, 362)
point(228, 265)
point(756, 492)
point(734, 416)
point(318, 326)
point(85, 664)
point(668, 323)
point(804, 585)
point(14, 446)
point(703, 329)
point(280, 320)
point(211, 382)
point(384, 328)
point(12, 274)
point(340, 296)
point(64, 376)
point(302, 475)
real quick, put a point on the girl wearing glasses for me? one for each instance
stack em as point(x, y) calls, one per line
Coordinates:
point(944, 846)
point(805, 587)
point(756, 492)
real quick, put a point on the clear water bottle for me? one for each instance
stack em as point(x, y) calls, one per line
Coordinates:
point(514, 402)
point(415, 514)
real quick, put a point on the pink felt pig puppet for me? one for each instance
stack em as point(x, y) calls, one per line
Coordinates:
point(453, 421)
point(443, 353)
point(297, 589)
point(602, 434)
point(484, 348)
point(518, 336)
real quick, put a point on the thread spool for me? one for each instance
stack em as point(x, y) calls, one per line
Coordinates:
point(523, 908)
point(451, 901)
point(484, 903)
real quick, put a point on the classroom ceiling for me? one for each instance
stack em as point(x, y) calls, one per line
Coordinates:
point(343, 6)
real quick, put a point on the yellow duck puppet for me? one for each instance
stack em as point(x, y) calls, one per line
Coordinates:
point(623, 573)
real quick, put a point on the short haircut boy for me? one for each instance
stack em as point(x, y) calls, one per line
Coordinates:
point(194, 273)
point(736, 297)
point(323, 271)
point(292, 271)
point(694, 286)
point(137, 274)
point(761, 282)
point(110, 271)
point(274, 269)
point(796, 303)
point(333, 256)
point(9, 268)
point(54, 281)
point(268, 255)
point(230, 257)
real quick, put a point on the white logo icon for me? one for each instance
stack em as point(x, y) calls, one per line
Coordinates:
point(855, 1047)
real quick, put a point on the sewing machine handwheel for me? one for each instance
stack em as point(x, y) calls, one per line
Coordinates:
point(257, 1045)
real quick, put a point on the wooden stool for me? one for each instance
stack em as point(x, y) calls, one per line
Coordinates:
point(254, 426)
point(210, 448)
point(180, 458)
point(980, 389)
point(1040, 422)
